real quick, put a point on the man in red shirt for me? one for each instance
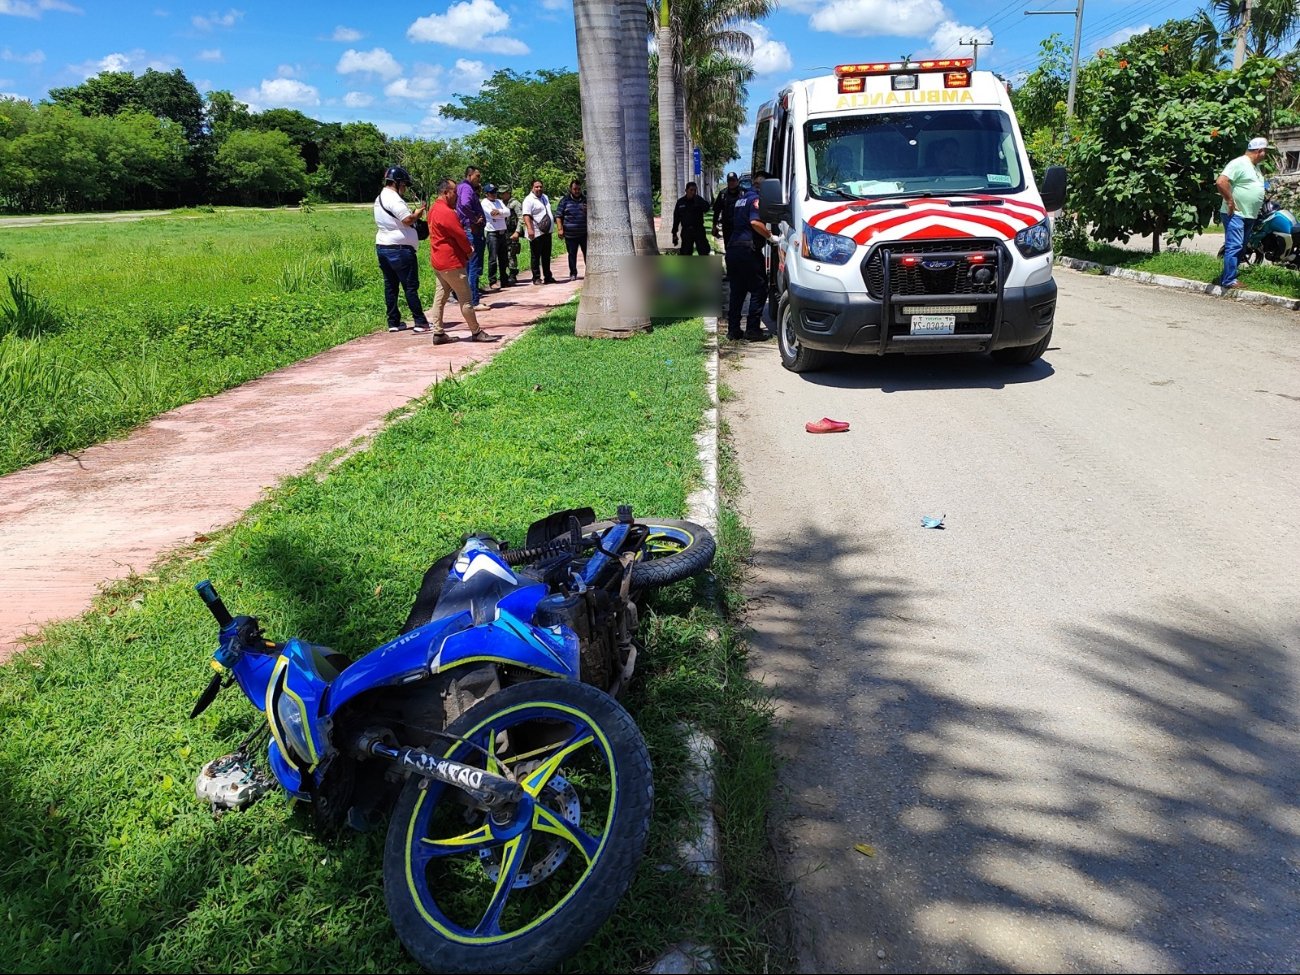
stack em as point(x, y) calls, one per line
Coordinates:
point(449, 253)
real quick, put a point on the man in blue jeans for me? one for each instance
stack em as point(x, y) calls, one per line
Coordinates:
point(1241, 185)
point(395, 243)
point(469, 208)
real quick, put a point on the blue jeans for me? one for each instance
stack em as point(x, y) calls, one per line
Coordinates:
point(1236, 231)
point(475, 269)
point(399, 266)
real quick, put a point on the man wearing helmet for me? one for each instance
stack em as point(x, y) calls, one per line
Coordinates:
point(395, 242)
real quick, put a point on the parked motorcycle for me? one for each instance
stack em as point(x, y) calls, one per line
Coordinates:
point(518, 790)
point(1275, 238)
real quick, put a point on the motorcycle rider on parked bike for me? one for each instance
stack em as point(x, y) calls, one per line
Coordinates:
point(1241, 185)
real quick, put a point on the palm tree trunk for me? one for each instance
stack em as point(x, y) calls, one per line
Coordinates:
point(669, 156)
point(683, 137)
point(636, 123)
point(603, 311)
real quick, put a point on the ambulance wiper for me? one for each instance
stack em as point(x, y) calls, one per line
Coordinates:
point(976, 203)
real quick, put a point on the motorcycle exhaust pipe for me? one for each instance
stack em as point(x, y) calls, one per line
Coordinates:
point(485, 787)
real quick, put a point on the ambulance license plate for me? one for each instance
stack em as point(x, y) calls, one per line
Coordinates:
point(933, 324)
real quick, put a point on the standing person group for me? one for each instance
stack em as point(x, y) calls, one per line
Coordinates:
point(746, 267)
point(1241, 185)
point(688, 217)
point(539, 223)
point(571, 219)
point(396, 240)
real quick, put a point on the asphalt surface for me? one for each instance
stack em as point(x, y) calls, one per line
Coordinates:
point(1066, 724)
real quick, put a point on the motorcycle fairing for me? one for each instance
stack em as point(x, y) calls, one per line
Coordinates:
point(294, 693)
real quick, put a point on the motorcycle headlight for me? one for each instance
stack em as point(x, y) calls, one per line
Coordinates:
point(293, 728)
point(1035, 240)
point(825, 247)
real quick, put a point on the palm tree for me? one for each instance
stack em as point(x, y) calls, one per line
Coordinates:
point(602, 310)
point(636, 123)
point(688, 33)
point(1272, 24)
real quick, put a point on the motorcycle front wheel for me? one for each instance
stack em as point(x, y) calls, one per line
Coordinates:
point(521, 889)
point(673, 550)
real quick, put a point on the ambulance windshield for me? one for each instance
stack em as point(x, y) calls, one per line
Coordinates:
point(879, 154)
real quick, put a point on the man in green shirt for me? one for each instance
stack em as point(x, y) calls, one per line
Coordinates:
point(1241, 185)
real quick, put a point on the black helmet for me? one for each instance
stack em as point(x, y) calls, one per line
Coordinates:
point(396, 174)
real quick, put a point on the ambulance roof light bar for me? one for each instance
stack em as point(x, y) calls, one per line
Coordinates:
point(895, 67)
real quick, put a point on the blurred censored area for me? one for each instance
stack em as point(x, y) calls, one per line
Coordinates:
point(671, 286)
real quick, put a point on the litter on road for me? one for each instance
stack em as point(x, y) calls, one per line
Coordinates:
point(827, 425)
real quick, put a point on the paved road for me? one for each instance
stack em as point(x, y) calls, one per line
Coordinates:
point(1067, 723)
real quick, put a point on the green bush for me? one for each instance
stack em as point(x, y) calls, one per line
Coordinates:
point(29, 315)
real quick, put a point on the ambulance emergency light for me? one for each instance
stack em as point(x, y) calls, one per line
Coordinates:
point(853, 77)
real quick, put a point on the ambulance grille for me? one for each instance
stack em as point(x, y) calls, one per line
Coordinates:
point(920, 281)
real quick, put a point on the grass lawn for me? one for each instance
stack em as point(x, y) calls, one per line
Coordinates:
point(110, 862)
point(1268, 278)
point(105, 325)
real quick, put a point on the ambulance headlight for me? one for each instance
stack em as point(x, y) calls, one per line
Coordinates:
point(1035, 240)
point(818, 245)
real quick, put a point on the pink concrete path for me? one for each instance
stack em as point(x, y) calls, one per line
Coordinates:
point(73, 523)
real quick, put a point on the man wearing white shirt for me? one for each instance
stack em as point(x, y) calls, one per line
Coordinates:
point(498, 240)
point(395, 243)
point(539, 221)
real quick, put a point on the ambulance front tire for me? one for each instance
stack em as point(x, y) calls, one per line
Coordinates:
point(795, 357)
point(1022, 355)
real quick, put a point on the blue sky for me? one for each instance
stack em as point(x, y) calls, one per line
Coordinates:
point(341, 61)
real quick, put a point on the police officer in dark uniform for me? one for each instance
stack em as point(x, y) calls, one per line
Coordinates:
point(746, 269)
point(723, 205)
point(688, 216)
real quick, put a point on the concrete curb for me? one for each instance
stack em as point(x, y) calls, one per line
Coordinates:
point(698, 852)
point(1182, 284)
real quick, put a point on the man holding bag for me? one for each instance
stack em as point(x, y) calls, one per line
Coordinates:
point(396, 240)
point(539, 221)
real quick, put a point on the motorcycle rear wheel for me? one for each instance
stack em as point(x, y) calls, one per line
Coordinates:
point(524, 889)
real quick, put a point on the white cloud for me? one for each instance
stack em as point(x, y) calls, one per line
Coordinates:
point(14, 95)
point(420, 88)
point(136, 60)
point(554, 4)
point(36, 57)
point(34, 8)
point(1123, 34)
point(476, 25)
point(346, 35)
point(287, 71)
point(391, 128)
point(769, 56)
point(213, 21)
point(280, 93)
point(358, 99)
point(213, 55)
point(861, 18)
point(469, 75)
point(375, 61)
point(947, 37)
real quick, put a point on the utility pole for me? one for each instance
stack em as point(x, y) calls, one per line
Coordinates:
point(1239, 55)
point(976, 43)
point(1078, 36)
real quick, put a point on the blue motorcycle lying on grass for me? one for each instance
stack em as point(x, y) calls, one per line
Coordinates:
point(1275, 238)
point(518, 790)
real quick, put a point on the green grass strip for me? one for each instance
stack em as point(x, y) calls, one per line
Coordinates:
point(110, 862)
point(1267, 278)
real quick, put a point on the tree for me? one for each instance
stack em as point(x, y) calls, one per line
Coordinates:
point(259, 166)
point(107, 93)
point(543, 105)
point(1273, 23)
point(636, 125)
point(303, 131)
point(603, 310)
point(355, 155)
point(1146, 157)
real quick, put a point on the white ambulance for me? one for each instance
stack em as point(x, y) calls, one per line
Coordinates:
point(907, 216)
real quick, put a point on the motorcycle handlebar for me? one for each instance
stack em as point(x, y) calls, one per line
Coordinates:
point(210, 598)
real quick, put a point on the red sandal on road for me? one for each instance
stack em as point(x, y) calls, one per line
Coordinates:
point(827, 425)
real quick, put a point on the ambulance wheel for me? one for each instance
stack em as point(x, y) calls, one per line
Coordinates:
point(795, 357)
point(1022, 355)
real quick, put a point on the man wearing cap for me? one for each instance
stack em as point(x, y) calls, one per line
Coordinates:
point(746, 265)
point(1241, 185)
point(723, 204)
point(498, 240)
point(395, 243)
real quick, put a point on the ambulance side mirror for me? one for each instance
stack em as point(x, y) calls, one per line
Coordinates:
point(772, 207)
point(1054, 188)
